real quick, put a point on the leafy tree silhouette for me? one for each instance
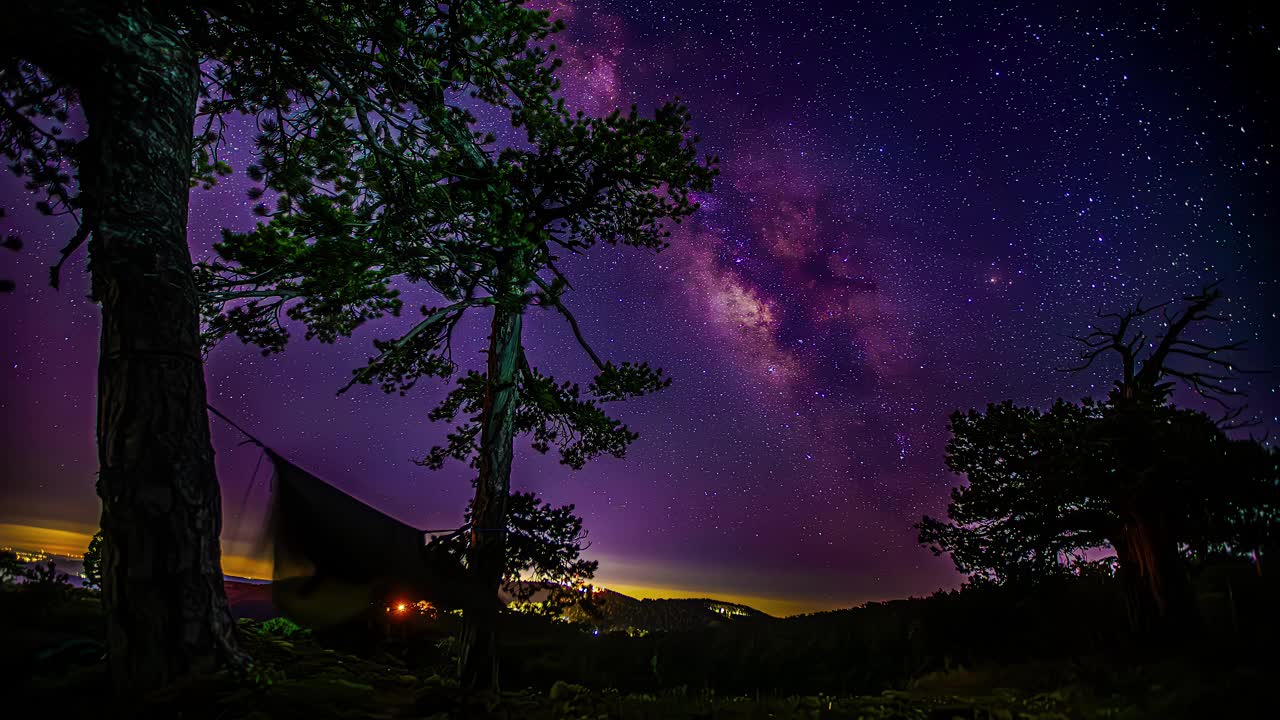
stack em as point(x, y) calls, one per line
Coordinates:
point(1150, 480)
point(543, 554)
point(93, 563)
point(10, 568)
point(482, 225)
point(335, 88)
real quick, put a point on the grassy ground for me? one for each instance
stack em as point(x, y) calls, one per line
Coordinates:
point(54, 652)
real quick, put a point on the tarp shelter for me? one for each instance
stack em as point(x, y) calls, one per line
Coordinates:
point(335, 557)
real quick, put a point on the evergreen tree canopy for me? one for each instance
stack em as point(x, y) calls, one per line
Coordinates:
point(1134, 473)
point(93, 563)
point(116, 120)
point(334, 86)
point(1044, 487)
point(474, 222)
point(544, 553)
point(486, 229)
point(478, 226)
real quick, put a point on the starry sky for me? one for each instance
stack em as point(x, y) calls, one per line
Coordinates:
point(917, 205)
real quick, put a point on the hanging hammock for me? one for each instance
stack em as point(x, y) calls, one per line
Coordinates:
point(335, 557)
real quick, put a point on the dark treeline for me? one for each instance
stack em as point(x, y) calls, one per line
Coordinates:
point(1064, 635)
point(1055, 631)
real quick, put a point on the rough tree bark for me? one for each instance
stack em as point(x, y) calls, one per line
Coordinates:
point(1158, 596)
point(1153, 576)
point(478, 657)
point(161, 508)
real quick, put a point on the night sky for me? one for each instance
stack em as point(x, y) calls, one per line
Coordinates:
point(915, 208)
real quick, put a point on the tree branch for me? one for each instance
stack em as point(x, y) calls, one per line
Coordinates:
point(573, 323)
point(1153, 366)
point(416, 330)
point(82, 234)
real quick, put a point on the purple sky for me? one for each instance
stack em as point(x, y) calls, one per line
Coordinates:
point(916, 207)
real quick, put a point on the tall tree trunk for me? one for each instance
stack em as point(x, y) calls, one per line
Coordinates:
point(163, 589)
point(478, 657)
point(1158, 596)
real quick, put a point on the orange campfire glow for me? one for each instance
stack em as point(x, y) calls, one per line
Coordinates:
point(422, 607)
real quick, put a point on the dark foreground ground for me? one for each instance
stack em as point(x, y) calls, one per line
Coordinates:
point(885, 661)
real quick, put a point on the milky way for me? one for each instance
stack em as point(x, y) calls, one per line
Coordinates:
point(916, 208)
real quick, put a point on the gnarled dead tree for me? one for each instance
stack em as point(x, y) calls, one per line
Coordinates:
point(1146, 543)
point(1147, 368)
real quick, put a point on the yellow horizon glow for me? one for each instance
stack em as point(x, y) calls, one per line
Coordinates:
point(52, 541)
point(71, 540)
point(776, 606)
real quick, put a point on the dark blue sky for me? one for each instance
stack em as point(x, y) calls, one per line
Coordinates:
point(916, 207)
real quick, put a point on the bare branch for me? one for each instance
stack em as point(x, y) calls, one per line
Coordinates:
point(1230, 419)
point(1155, 365)
point(81, 235)
point(1172, 343)
point(1227, 347)
point(573, 323)
point(559, 274)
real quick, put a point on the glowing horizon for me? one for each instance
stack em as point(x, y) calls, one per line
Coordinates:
point(71, 540)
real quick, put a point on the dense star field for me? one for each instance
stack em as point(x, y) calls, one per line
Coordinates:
point(916, 208)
